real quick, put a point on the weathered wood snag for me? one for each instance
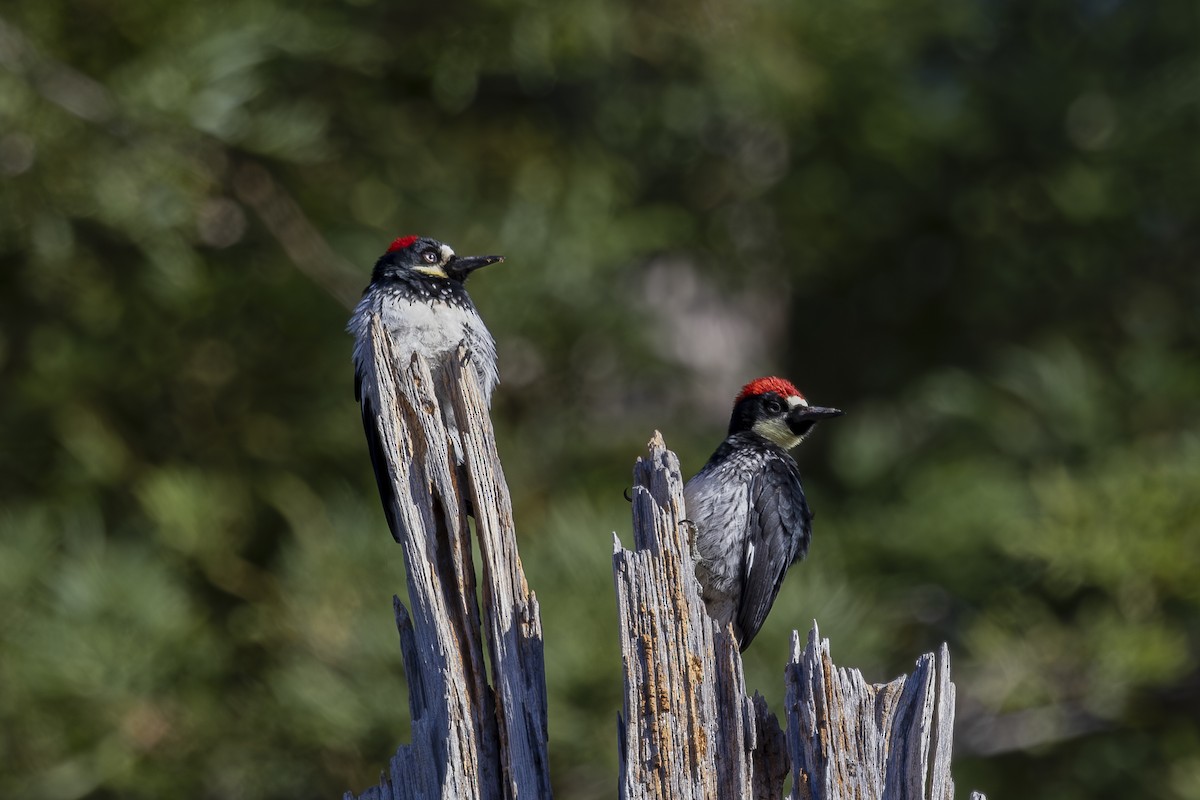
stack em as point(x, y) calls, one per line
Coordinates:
point(848, 738)
point(688, 730)
point(470, 738)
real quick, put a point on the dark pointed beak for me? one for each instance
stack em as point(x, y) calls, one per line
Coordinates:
point(460, 267)
point(813, 413)
point(801, 419)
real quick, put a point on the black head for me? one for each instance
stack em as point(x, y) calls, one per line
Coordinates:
point(775, 410)
point(423, 260)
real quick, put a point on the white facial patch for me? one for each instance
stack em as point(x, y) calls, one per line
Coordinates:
point(796, 400)
point(447, 253)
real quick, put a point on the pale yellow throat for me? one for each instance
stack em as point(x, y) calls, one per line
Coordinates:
point(778, 432)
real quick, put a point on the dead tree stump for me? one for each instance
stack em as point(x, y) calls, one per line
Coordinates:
point(471, 738)
point(688, 730)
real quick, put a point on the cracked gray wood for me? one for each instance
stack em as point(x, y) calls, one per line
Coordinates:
point(688, 730)
point(470, 738)
point(851, 739)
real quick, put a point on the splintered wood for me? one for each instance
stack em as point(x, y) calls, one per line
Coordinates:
point(471, 738)
point(688, 730)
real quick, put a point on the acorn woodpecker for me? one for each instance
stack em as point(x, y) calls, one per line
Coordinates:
point(748, 508)
point(417, 290)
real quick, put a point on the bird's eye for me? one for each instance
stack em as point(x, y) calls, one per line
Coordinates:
point(773, 406)
point(431, 257)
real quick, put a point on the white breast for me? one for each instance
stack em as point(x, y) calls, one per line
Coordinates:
point(432, 329)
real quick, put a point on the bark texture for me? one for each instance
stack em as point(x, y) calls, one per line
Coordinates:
point(851, 739)
point(688, 730)
point(471, 737)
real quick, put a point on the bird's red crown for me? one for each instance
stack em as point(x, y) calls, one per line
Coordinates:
point(763, 385)
point(401, 242)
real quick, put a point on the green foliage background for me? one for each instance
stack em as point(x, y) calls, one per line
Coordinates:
point(972, 225)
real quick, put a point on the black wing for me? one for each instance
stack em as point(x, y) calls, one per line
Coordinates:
point(379, 462)
point(779, 528)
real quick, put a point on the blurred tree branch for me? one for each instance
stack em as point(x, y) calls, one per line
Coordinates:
point(297, 236)
point(252, 183)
